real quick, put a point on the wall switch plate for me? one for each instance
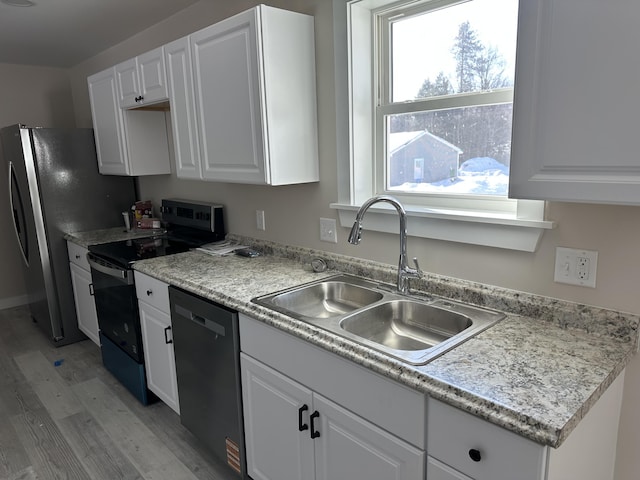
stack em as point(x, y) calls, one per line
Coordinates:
point(576, 267)
point(328, 230)
point(260, 225)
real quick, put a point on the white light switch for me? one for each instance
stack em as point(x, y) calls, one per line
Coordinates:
point(260, 224)
point(576, 267)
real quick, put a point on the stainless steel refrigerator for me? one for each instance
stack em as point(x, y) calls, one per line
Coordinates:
point(55, 188)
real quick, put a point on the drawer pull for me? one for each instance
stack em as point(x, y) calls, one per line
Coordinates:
point(149, 293)
point(475, 455)
point(166, 337)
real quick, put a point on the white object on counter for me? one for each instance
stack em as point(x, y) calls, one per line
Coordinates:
point(220, 248)
point(127, 221)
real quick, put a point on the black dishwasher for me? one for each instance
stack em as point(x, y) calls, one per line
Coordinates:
point(207, 353)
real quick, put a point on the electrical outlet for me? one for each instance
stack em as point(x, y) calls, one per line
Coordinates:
point(576, 267)
point(260, 225)
point(328, 230)
point(583, 267)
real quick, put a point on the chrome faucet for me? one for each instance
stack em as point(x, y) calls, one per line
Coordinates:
point(404, 271)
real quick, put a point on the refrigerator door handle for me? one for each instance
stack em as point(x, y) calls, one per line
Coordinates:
point(18, 215)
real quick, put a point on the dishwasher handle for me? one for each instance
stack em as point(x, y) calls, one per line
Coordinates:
point(204, 321)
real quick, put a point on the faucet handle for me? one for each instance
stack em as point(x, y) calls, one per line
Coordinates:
point(418, 271)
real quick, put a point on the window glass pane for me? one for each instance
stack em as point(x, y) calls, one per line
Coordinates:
point(457, 151)
point(468, 47)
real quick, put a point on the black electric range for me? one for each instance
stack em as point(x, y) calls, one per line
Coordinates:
point(190, 225)
point(124, 253)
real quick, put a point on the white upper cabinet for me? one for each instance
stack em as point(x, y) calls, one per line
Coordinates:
point(576, 102)
point(142, 80)
point(255, 98)
point(108, 123)
point(183, 109)
point(242, 102)
point(130, 141)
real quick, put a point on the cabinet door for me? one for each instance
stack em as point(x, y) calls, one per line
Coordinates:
point(153, 77)
point(85, 304)
point(108, 123)
point(274, 409)
point(128, 83)
point(183, 109)
point(142, 80)
point(350, 447)
point(576, 102)
point(439, 471)
point(228, 100)
point(160, 362)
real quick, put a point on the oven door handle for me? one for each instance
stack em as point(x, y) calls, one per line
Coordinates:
point(112, 271)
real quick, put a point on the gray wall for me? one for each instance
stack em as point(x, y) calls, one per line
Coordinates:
point(34, 96)
point(292, 212)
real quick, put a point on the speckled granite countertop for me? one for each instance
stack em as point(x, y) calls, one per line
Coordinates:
point(107, 235)
point(537, 372)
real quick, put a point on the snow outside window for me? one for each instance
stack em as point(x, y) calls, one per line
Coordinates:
point(430, 98)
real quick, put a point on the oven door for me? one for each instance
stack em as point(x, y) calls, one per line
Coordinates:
point(116, 305)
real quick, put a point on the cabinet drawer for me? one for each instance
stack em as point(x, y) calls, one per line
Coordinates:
point(152, 291)
point(78, 255)
point(480, 449)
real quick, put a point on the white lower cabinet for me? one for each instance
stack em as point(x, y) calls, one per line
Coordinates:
point(323, 417)
point(292, 433)
point(475, 448)
point(82, 291)
point(365, 426)
point(276, 449)
point(465, 447)
point(157, 339)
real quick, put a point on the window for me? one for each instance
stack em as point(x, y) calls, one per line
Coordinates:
point(445, 76)
point(430, 93)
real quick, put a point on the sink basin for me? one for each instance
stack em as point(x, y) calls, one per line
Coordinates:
point(406, 324)
point(414, 330)
point(325, 299)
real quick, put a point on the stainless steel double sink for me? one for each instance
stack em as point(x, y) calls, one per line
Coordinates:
point(413, 329)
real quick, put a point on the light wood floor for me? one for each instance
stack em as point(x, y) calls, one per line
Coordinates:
point(75, 421)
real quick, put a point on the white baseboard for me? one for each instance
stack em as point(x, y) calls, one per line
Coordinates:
point(11, 302)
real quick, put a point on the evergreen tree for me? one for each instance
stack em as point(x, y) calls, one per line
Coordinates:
point(466, 50)
point(441, 86)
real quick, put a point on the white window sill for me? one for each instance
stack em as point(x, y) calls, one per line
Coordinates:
point(475, 228)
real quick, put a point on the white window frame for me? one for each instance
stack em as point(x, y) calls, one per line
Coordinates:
point(501, 223)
